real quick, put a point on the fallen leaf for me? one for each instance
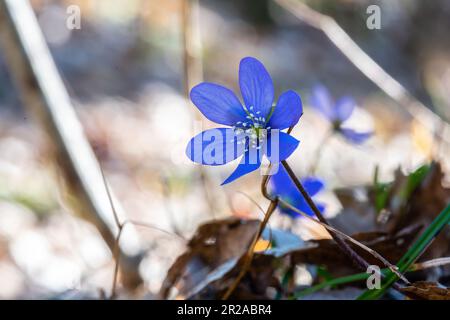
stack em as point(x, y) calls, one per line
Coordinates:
point(216, 254)
point(327, 253)
point(213, 244)
point(427, 201)
point(426, 290)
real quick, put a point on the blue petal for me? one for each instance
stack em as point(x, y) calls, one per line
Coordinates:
point(218, 103)
point(256, 86)
point(344, 108)
point(245, 166)
point(300, 204)
point(214, 147)
point(312, 185)
point(279, 145)
point(282, 184)
point(322, 102)
point(355, 137)
point(303, 206)
point(284, 187)
point(287, 112)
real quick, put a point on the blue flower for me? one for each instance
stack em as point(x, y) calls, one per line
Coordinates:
point(283, 187)
point(337, 113)
point(254, 127)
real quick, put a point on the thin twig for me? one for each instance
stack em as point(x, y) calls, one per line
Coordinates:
point(355, 257)
point(363, 276)
point(392, 267)
point(430, 264)
point(252, 201)
point(251, 251)
point(45, 95)
point(120, 226)
point(372, 252)
point(153, 227)
point(368, 66)
point(263, 213)
point(192, 60)
point(116, 255)
point(192, 75)
point(329, 228)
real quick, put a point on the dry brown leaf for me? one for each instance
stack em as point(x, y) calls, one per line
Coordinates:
point(426, 290)
point(213, 244)
point(253, 286)
point(326, 252)
point(216, 254)
point(420, 207)
point(424, 204)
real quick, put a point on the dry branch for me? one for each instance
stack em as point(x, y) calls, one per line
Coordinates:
point(44, 95)
point(374, 72)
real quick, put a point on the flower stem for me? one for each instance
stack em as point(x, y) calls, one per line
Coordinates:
point(251, 250)
point(357, 259)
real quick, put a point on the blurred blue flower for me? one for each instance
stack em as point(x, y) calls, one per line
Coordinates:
point(337, 113)
point(255, 125)
point(283, 187)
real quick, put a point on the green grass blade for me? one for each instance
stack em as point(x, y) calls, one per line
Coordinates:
point(329, 283)
point(411, 255)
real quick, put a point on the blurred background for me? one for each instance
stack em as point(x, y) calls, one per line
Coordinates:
point(128, 70)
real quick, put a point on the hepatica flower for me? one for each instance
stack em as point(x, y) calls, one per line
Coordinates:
point(337, 113)
point(283, 187)
point(254, 126)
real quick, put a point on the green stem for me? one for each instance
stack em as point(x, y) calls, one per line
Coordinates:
point(411, 255)
point(363, 276)
point(329, 283)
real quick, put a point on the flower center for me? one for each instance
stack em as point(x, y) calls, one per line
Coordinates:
point(250, 137)
point(254, 119)
point(253, 131)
